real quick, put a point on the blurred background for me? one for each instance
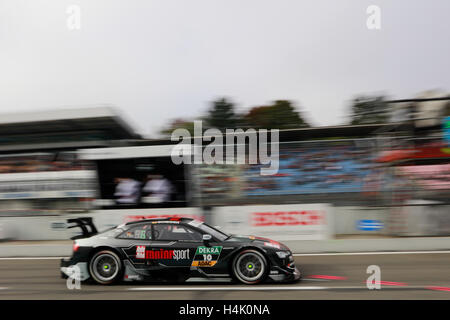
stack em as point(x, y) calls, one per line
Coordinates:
point(383, 174)
point(90, 93)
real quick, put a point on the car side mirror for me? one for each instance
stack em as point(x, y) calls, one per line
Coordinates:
point(206, 237)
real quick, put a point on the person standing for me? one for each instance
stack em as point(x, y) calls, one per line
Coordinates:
point(158, 189)
point(127, 191)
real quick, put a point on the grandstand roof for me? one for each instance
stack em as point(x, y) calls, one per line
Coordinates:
point(303, 134)
point(62, 128)
point(345, 131)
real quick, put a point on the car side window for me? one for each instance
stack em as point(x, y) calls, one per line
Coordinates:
point(175, 232)
point(140, 232)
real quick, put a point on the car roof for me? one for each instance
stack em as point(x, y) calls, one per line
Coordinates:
point(180, 219)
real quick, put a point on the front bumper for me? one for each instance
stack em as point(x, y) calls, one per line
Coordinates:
point(278, 274)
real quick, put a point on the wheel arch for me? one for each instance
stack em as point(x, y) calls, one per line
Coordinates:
point(105, 247)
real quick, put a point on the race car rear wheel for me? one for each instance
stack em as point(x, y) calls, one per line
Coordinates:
point(105, 267)
point(250, 267)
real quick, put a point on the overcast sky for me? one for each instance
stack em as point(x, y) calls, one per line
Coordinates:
point(163, 59)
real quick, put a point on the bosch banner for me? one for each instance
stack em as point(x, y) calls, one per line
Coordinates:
point(279, 222)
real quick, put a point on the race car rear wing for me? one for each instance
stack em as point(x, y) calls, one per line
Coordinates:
point(83, 224)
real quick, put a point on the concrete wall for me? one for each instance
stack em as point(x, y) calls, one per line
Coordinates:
point(54, 227)
point(426, 220)
point(360, 220)
point(284, 222)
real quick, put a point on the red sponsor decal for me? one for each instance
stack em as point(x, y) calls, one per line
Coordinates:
point(161, 216)
point(159, 254)
point(287, 218)
point(142, 253)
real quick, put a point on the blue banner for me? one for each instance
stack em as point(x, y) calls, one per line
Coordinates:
point(370, 225)
point(446, 128)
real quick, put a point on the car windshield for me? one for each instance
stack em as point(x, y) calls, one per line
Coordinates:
point(220, 235)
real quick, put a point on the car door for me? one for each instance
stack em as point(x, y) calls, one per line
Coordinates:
point(161, 245)
point(174, 244)
point(137, 240)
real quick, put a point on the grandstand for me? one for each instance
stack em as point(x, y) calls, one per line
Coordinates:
point(342, 165)
point(347, 165)
point(40, 172)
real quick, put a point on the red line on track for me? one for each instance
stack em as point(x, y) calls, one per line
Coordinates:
point(390, 283)
point(438, 288)
point(327, 277)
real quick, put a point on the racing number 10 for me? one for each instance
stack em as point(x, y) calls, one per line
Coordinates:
point(207, 257)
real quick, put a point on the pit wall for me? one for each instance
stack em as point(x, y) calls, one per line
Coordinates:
point(286, 223)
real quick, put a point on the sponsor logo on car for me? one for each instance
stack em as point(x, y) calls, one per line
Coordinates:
point(161, 254)
point(208, 250)
point(181, 254)
point(165, 222)
point(140, 252)
point(161, 216)
point(133, 277)
point(206, 256)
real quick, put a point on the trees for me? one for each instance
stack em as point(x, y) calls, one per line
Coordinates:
point(221, 115)
point(178, 124)
point(279, 115)
point(369, 110)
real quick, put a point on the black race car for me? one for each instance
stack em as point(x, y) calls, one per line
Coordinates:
point(174, 249)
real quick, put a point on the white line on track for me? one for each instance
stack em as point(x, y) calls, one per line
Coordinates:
point(32, 258)
point(295, 254)
point(320, 280)
point(3, 288)
point(365, 253)
point(274, 288)
point(209, 288)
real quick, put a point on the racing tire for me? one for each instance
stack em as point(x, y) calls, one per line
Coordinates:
point(105, 267)
point(250, 267)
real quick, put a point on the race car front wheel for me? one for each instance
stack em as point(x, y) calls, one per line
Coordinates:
point(250, 267)
point(105, 267)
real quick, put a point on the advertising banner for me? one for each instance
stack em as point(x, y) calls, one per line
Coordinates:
point(446, 128)
point(48, 185)
point(278, 222)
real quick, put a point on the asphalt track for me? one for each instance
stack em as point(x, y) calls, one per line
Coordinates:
point(335, 276)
